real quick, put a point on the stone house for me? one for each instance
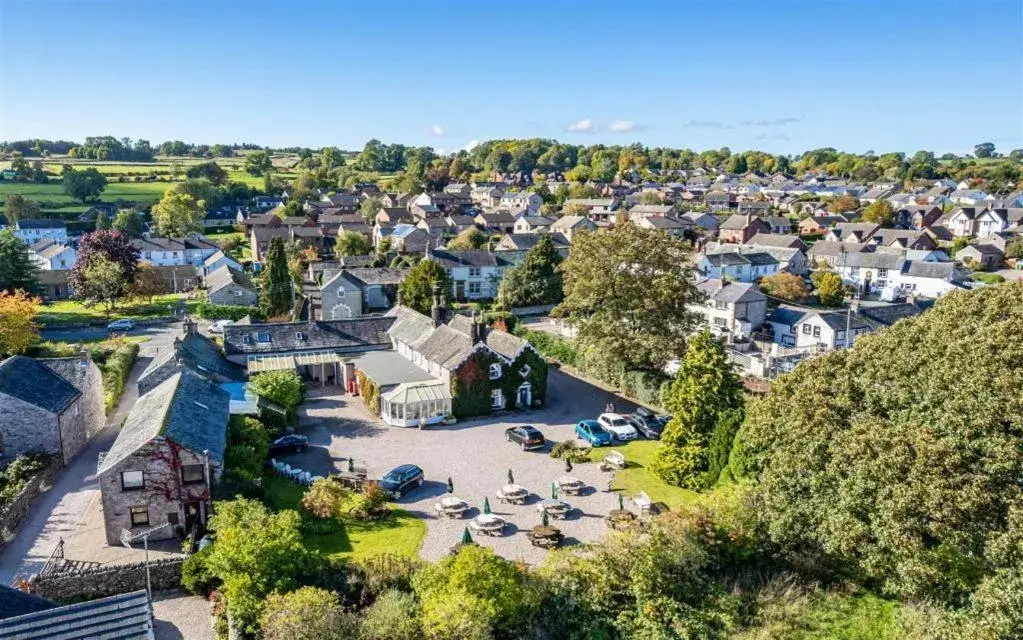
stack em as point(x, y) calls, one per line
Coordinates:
point(352, 292)
point(169, 451)
point(740, 228)
point(731, 309)
point(229, 286)
point(50, 405)
point(193, 351)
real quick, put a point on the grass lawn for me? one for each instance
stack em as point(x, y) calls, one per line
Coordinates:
point(53, 192)
point(68, 311)
point(636, 476)
point(400, 532)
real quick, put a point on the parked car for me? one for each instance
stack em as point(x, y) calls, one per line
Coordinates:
point(218, 326)
point(527, 436)
point(400, 479)
point(618, 426)
point(121, 325)
point(293, 442)
point(647, 424)
point(592, 432)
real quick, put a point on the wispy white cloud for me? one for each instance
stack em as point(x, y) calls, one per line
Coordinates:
point(777, 122)
point(472, 144)
point(582, 126)
point(706, 124)
point(622, 126)
point(437, 130)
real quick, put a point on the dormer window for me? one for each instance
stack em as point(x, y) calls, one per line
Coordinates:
point(524, 371)
point(495, 371)
point(247, 339)
point(299, 335)
point(263, 336)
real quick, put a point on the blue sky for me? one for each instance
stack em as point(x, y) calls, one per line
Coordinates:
point(779, 76)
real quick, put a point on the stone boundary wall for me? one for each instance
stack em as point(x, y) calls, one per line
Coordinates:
point(107, 580)
point(12, 515)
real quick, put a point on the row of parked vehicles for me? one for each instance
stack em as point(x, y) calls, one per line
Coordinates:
point(611, 427)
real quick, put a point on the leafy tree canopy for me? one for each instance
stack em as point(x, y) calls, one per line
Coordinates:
point(536, 280)
point(418, 287)
point(628, 291)
point(17, 270)
point(18, 330)
point(85, 184)
point(903, 455)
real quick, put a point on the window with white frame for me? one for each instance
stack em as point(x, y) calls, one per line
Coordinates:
point(816, 332)
point(524, 371)
point(475, 287)
point(496, 399)
point(131, 480)
point(495, 371)
point(807, 328)
point(474, 272)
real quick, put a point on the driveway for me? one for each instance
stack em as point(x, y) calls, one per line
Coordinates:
point(475, 455)
point(64, 512)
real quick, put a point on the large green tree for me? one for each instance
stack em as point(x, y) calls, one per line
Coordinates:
point(879, 212)
point(705, 388)
point(418, 287)
point(275, 297)
point(177, 214)
point(17, 271)
point(209, 170)
point(129, 223)
point(628, 290)
point(536, 280)
point(309, 613)
point(352, 243)
point(85, 184)
point(258, 163)
point(255, 554)
point(472, 239)
point(18, 207)
point(902, 457)
point(106, 246)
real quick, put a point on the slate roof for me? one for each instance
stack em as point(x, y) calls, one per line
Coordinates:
point(449, 259)
point(864, 229)
point(282, 337)
point(377, 275)
point(832, 248)
point(14, 602)
point(389, 369)
point(157, 244)
point(226, 275)
point(537, 221)
point(566, 223)
point(69, 369)
point(873, 261)
point(920, 269)
point(667, 222)
point(128, 616)
point(449, 344)
point(526, 241)
point(783, 240)
point(31, 381)
point(41, 223)
point(51, 250)
point(730, 292)
point(198, 353)
point(787, 316)
point(185, 408)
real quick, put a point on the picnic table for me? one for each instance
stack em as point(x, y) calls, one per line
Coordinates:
point(554, 508)
point(349, 480)
point(545, 536)
point(488, 524)
point(570, 484)
point(513, 493)
point(613, 461)
point(643, 501)
point(451, 507)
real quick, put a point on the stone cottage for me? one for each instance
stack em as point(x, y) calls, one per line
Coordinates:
point(194, 351)
point(229, 286)
point(169, 451)
point(53, 405)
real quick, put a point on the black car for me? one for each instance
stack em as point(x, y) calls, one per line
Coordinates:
point(402, 478)
point(292, 442)
point(528, 437)
point(649, 425)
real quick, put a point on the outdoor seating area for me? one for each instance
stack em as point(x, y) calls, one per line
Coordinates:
point(513, 493)
point(294, 473)
point(451, 507)
point(570, 485)
point(554, 508)
point(488, 524)
point(613, 461)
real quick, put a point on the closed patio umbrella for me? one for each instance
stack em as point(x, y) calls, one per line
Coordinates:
point(486, 506)
point(511, 478)
point(466, 536)
point(621, 503)
point(554, 491)
point(544, 518)
point(568, 465)
point(351, 464)
point(451, 487)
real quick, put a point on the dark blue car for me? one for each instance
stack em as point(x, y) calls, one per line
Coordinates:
point(400, 479)
point(592, 432)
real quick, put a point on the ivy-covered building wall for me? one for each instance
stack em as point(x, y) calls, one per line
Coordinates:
point(472, 387)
